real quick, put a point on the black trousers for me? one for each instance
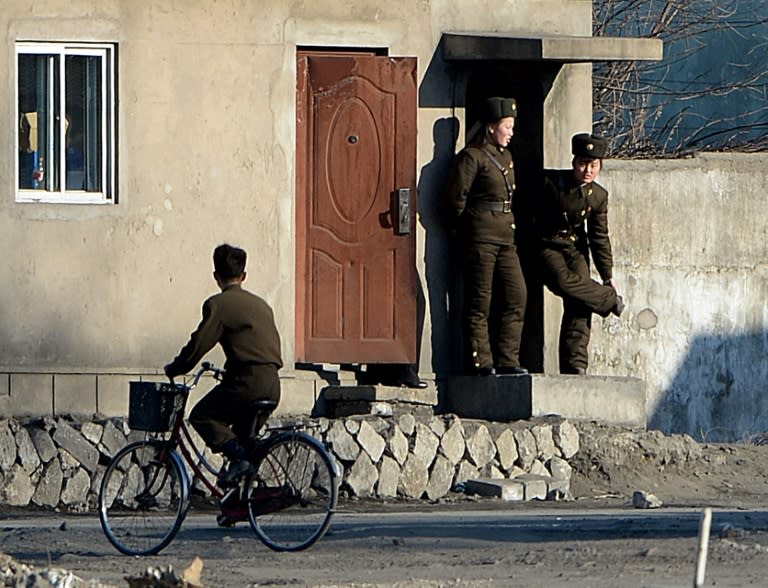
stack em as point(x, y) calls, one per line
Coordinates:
point(484, 264)
point(567, 274)
point(224, 413)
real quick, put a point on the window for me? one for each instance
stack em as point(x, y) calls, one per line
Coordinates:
point(65, 122)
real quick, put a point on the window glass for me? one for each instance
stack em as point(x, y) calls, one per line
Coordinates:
point(65, 123)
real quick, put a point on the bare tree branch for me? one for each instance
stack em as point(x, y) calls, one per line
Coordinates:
point(704, 95)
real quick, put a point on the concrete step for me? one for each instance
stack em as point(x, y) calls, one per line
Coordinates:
point(607, 399)
point(339, 401)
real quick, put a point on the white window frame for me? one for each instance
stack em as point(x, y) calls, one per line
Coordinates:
point(107, 53)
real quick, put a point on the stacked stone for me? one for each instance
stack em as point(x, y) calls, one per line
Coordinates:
point(56, 462)
point(429, 457)
point(59, 462)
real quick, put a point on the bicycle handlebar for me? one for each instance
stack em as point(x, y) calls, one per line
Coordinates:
point(206, 366)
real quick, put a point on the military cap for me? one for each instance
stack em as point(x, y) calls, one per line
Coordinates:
point(586, 145)
point(497, 108)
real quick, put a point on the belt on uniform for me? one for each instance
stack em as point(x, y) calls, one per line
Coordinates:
point(565, 235)
point(505, 206)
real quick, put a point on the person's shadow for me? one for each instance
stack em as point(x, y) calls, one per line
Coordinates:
point(441, 261)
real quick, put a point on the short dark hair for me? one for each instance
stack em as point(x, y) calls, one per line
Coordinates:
point(229, 261)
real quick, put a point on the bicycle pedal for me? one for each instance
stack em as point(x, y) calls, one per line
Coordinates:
point(226, 484)
point(198, 492)
point(235, 472)
point(224, 521)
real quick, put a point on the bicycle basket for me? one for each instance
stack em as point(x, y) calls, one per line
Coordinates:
point(153, 406)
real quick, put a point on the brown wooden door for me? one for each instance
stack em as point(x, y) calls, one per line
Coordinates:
point(356, 147)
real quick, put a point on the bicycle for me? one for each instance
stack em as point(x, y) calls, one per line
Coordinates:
point(145, 492)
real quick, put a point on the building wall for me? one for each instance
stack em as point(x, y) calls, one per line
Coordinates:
point(97, 294)
point(690, 246)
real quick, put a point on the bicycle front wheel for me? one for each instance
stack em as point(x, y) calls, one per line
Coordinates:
point(293, 494)
point(143, 498)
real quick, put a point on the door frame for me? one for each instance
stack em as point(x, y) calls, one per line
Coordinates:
point(304, 172)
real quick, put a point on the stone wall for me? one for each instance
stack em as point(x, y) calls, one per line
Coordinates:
point(59, 462)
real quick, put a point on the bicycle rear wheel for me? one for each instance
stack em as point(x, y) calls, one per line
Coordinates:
point(143, 498)
point(293, 494)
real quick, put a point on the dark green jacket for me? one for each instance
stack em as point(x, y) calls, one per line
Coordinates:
point(474, 178)
point(569, 215)
point(242, 323)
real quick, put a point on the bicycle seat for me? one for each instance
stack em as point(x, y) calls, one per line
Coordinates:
point(260, 406)
point(260, 409)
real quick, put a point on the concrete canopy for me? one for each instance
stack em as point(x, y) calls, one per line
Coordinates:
point(559, 48)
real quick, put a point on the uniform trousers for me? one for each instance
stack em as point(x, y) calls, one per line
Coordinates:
point(567, 274)
point(224, 413)
point(484, 263)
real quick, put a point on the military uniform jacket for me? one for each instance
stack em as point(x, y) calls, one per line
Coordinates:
point(573, 215)
point(243, 324)
point(475, 178)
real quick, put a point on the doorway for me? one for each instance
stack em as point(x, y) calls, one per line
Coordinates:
point(356, 279)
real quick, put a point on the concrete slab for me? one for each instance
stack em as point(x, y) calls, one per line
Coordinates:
point(112, 393)
point(608, 399)
point(341, 401)
point(381, 393)
point(74, 394)
point(508, 490)
point(523, 487)
point(31, 395)
point(297, 396)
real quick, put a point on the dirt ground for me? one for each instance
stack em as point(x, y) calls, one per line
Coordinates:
point(596, 540)
point(614, 463)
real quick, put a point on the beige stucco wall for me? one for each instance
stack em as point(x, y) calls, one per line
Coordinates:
point(206, 154)
point(96, 295)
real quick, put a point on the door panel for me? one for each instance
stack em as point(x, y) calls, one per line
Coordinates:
point(356, 277)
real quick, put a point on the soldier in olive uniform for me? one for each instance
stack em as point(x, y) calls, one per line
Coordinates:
point(479, 190)
point(244, 325)
point(572, 222)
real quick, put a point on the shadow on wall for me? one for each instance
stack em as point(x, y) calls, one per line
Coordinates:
point(719, 390)
point(441, 263)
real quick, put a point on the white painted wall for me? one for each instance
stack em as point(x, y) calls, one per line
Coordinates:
point(690, 242)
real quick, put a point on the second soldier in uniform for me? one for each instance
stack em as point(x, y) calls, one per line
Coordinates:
point(572, 222)
point(479, 191)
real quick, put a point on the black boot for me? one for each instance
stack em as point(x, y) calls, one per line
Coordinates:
point(619, 308)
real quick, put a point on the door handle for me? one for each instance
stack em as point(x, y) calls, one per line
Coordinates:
point(403, 206)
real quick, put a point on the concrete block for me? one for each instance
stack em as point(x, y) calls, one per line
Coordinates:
point(507, 490)
point(297, 396)
point(534, 486)
point(31, 395)
point(74, 394)
point(112, 394)
point(608, 399)
point(5, 395)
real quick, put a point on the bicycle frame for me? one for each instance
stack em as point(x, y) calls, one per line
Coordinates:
point(288, 500)
point(180, 439)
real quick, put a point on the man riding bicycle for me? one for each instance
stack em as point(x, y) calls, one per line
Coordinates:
point(244, 325)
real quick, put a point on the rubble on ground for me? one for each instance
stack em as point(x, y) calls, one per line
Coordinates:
point(14, 573)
